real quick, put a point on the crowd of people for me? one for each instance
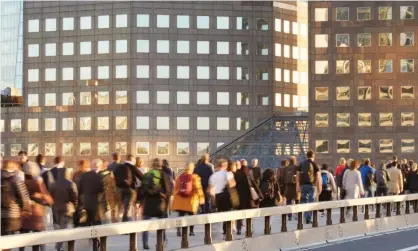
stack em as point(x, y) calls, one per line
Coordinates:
point(102, 192)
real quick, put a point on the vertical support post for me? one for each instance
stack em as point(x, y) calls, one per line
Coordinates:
point(355, 213)
point(284, 222)
point(388, 210)
point(160, 240)
point(228, 236)
point(378, 215)
point(329, 217)
point(415, 205)
point(342, 215)
point(36, 248)
point(407, 207)
point(133, 242)
point(300, 221)
point(267, 228)
point(249, 228)
point(71, 245)
point(315, 218)
point(103, 243)
point(398, 208)
point(208, 234)
point(366, 212)
point(184, 235)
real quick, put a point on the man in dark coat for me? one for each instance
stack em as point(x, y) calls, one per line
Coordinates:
point(256, 171)
point(204, 170)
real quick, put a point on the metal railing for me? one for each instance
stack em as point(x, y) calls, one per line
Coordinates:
point(132, 228)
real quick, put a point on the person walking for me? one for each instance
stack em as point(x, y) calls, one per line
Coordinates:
point(39, 197)
point(269, 187)
point(352, 183)
point(412, 178)
point(255, 171)
point(172, 176)
point(51, 176)
point(308, 182)
point(110, 200)
point(204, 169)
point(395, 184)
point(188, 194)
point(281, 174)
point(367, 178)
point(41, 161)
point(156, 189)
point(139, 164)
point(381, 179)
point(83, 166)
point(248, 192)
point(328, 185)
point(288, 177)
point(116, 160)
point(65, 194)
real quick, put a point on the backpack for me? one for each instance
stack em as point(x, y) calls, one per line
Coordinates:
point(307, 172)
point(151, 182)
point(381, 177)
point(186, 185)
point(369, 178)
point(324, 176)
point(289, 175)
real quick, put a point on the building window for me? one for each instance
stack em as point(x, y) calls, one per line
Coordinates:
point(142, 20)
point(243, 73)
point(262, 74)
point(407, 119)
point(263, 99)
point(50, 99)
point(222, 73)
point(85, 48)
point(121, 123)
point(102, 98)
point(343, 93)
point(407, 92)
point(33, 100)
point(322, 146)
point(202, 98)
point(295, 28)
point(33, 149)
point(103, 148)
point(343, 67)
point(364, 93)
point(385, 146)
point(50, 149)
point(85, 98)
point(142, 123)
point(183, 21)
point(407, 39)
point(286, 76)
point(407, 12)
point(342, 40)
point(50, 50)
point(243, 98)
point(163, 148)
point(385, 65)
point(222, 123)
point(67, 49)
point(121, 46)
point(202, 22)
point(67, 124)
point(203, 123)
point(407, 65)
point(68, 98)
point(385, 13)
point(121, 20)
point(321, 14)
point(103, 22)
point(67, 74)
point(142, 46)
point(321, 40)
point(85, 123)
point(85, 23)
point(222, 98)
point(33, 50)
point(121, 148)
point(183, 47)
point(163, 97)
point(142, 148)
point(202, 148)
point(50, 74)
point(243, 48)
point(363, 13)
point(243, 124)
point(385, 119)
point(321, 67)
point(103, 72)
point(121, 97)
point(163, 71)
point(142, 71)
point(121, 71)
point(278, 74)
point(321, 93)
point(278, 25)
point(49, 124)
point(364, 66)
point(343, 120)
point(385, 39)
point(278, 99)
point(202, 72)
point(407, 145)
point(286, 51)
point(85, 73)
point(364, 146)
point(183, 123)
point(286, 99)
point(364, 119)
point(243, 23)
point(304, 53)
point(142, 97)
point(342, 13)
point(202, 47)
point(222, 48)
point(68, 23)
point(103, 47)
point(222, 23)
point(343, 146)
point(295, 77)
point(33, 125)
point(163, 46)
point(278, 50)
point(85, 149)
point(33, 25)
point(33, 75)
point(183, 98)
point(15, 125)
point(163, 21)
point(262, 49)
point(262, 24)
point(50, 24)
point(163, 123)
point(364, 40)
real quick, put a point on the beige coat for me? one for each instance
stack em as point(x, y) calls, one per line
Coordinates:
point(395, 185)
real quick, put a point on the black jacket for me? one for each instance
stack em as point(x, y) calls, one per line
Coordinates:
point(256, 172)
point(204, 171)
point(124, 175)
point(91, 187)
point(270, 190)
point(412, 180)
point(65, 195)
point(244, 182)
point(156, 205)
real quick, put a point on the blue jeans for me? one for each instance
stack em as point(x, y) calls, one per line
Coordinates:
point(207, 207)
point(307, 196)
point(145, 234)
point(128, 197)
point(368, 192)
point(382, 191)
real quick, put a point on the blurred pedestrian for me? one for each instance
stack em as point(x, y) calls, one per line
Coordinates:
point(269, 187)
point(204, 169)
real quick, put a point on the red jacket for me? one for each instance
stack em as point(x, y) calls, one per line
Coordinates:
point(339, 169)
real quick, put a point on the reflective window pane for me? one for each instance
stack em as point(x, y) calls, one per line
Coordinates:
point(121, 20)
point(183, 98)
point(163, 123)
point(202, 47)
point(142, 46)
point(85, 98)
point(85, 73)
point(407, 12)
point(67, 73)
point(103, 22)
point(85, 23)
point(407, 39)
point(121, 97)
point(163, 46)
point(121, 71)
point(33, 100)
point(121, 122)
point(50, 99)
point(33, 25)
point(222, 23)
point(163, 97)
point(68, 98)
point(262, 24)
point(103, 123)
point(142, 20)
point(183, 123)
point(202, 98)
point(202, 22)
point(183, 21)
point(103, 47)
point(222, 123)
point(142, 123)
point(163, 71)
point(182, 47)
point(50, 49)
point(222, 48)
point(222, 73)
point(85, 48)
point(243, 23)
point(67, 49)
point(33, 125)
point(363, 13)
point(142, 71)
point(385, 13)
point(364, 40)
point(142, 97)
point(121, 46)
point(68, 124)
point(163, 21)
point(103, 72)
point(50, 24)
point(321, 14)
point(182, 72)
point(33, 75)
point(50, 74)
point(342, 13)
point(103, 98)
point(33, 50)
point(68, 23)
point(222, 98)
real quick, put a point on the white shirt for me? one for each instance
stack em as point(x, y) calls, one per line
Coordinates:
point(220, 179)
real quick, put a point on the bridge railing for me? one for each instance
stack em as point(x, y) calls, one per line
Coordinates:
point(400, 203)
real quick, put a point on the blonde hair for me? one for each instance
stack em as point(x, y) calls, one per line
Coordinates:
point(342, 161)
point(414, 166)
point(189, 167)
